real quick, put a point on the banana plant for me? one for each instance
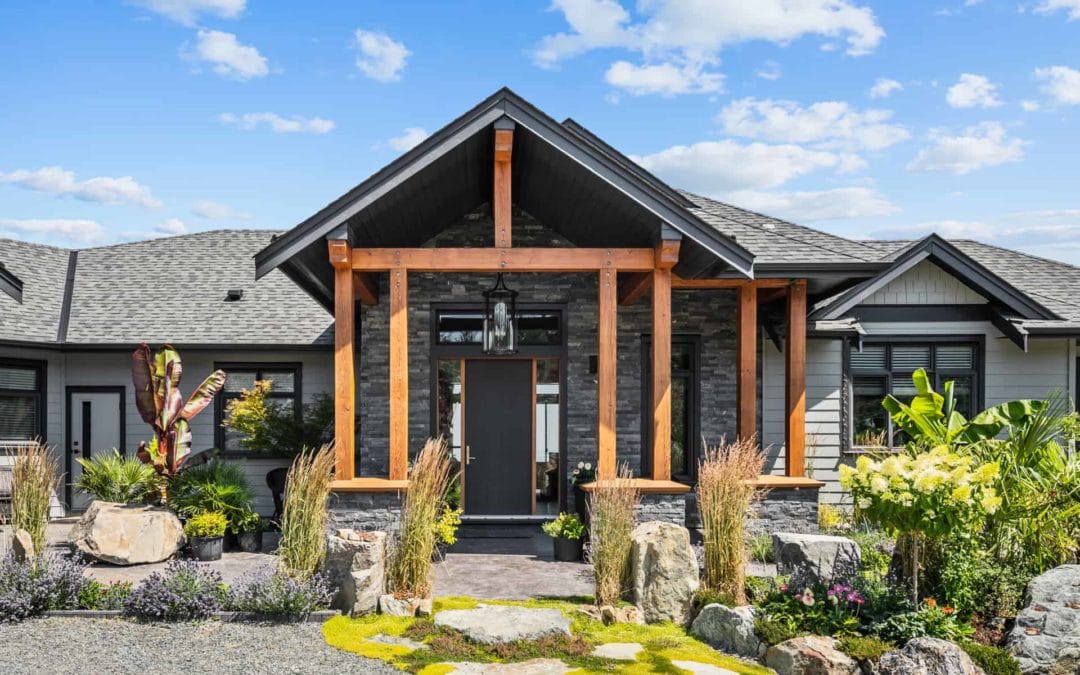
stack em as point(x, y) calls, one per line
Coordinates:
point(157, 396)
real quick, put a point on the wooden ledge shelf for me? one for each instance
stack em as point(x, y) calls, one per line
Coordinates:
point(648, 486)
point(770, 482)
point(369, 485)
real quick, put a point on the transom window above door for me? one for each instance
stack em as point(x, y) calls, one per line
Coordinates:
point(535, 327)
point(882, 368)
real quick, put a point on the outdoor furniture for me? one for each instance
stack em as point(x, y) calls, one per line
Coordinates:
point(275, 480)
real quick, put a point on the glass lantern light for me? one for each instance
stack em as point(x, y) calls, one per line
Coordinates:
point(500, 319)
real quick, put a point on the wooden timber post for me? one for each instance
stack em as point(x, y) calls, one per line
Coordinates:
point(746, 372)
point(344, 360)
point(399, 374)
point(667, 254)
point(501, 199)
point(605, 374)
point(795, 385)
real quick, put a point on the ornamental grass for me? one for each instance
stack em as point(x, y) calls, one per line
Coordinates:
point(303, 522)
point(612, 514)
point(410, 562)
point(35, 478)
point(725, 497)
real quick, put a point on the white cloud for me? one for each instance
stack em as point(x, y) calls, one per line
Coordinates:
point(847, 202)
point(229, 57)
point(884, 87)
point(69, 230)
point(171, 227)
point(1029, 106)
point(277, 123)
point(973, 91)
point(950, 229)
point(665, 79)
point(382, 58)
point(828, 123)
point(204, 208)
point(103, 189)
point(1071, 8)
point(1060, 82)
point(714, 167)
point(409, 139)
point(980, 146)
point(770, 70)
point(682, 37)
point(187, 12)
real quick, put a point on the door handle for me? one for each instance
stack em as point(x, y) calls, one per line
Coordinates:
point(468, 456)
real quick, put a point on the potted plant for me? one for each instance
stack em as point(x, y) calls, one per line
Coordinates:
point(568, 534)
point(248, 528)
point(583, 473)
point(206, 533)
point(446, 530)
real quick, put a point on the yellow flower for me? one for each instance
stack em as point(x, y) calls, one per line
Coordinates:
point(990, 501)
point(892, 466)
point(847, 474)
point(961, 493)
point(864, 464)
point(879, 484)
point(986, 473)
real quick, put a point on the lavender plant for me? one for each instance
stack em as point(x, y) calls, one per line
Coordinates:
point(46, 583)
point(271, 592)
point(187, 591)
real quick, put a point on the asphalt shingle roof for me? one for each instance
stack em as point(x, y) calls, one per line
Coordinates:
point(169, 289)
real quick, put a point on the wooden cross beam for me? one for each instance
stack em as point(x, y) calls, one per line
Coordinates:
point(501, 199)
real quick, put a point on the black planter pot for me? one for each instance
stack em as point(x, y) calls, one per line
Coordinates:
point(568, 550)
point(250, 542)
point(206, 549)
point(230, 542)
point(581, 504)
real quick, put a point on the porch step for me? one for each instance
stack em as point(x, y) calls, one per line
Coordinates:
point(497, 530)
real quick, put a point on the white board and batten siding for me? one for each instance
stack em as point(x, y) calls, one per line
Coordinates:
point(925, 284)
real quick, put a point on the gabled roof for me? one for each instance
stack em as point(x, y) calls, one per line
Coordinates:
point(1012, 301)
point(170, 289)
point(564, 175)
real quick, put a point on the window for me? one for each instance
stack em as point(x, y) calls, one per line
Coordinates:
point(284, 392)
point(882, 368)
point(22, 400)
point(685, 417)
point(535, 327)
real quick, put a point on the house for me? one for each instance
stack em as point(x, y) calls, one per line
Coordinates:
point(523, 289)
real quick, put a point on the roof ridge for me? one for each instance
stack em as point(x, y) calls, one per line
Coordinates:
point(694, 196)
point(148, 240)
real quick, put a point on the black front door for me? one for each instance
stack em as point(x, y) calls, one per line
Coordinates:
point(498, 437)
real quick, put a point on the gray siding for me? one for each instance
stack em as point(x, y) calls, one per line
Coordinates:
point(925, 284)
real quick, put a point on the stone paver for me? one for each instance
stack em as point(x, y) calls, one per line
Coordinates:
point(534, 667)
point(497, 624)
point(620, 651)
point(698, 668)
point(398, 641)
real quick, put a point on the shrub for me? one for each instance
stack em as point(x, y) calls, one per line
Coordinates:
point(876, 548)
point(993, 660)
point(833, 519)
point(111, 477)
point(272, 592)
point(208, 524)
point(249, 521)
point(447, 525)
point(303, 521)
point(96, 595)
point(612, 511)
point(816, 609)
point(35, 478)
point(724, 499)
point(565, 526)
point(775, 629)
point(410, 562)
point(864, 648)
point(268, 427)
point(928, 621)
point(762, 549)
point(186, 591)
point(45, 583)
point(214, 486)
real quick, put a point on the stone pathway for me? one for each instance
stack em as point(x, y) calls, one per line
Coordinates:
point(499, 624)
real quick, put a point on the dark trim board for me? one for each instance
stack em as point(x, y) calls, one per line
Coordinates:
point(42, 369)
point(69, 291)
point(921, 313)
point(11, 284)
point(68, 451)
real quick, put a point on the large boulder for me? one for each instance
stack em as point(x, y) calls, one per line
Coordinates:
point(664, 571)
point(128, 534)
point(356, 564)
point(810, 655)
point(729, 629)
point(816, 558)
point(927, 656)
point(498, 624)
point(1047, 630)
point(22, 546)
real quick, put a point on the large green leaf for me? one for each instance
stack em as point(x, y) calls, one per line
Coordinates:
point(201, 397)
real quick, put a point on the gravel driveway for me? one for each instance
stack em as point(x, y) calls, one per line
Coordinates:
point(92, 646)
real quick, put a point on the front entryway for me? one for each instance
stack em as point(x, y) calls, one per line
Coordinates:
point(95, 425)
point(498, 454)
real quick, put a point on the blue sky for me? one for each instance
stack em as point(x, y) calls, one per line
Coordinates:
point(124, 120)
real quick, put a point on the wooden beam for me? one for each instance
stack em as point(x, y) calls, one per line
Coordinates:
point(605, 375)
point(503, 259)
point(680, 283)
point(365, 288)
point(344, 362)
point(633, 287)
point(795, 387)
point(399, 374)
point(661, 374)
point(746, 371)
point(501, 210)
point(771, 295)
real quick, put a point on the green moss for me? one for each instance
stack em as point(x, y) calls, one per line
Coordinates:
point(864, 648)
point(352, 635)
point(993, 660)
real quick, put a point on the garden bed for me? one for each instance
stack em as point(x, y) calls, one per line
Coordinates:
point(227, 617)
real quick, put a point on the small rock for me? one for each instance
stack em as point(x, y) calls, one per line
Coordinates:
point(664, 572)
point(698, 668)
point(729, 629)
point(591, 611)
point(927, 656)
point(816, 558)
point(810, 655)
point(391, 605)
point(1048, 628)
point(356, 564)
point(128, 534)
point(497, 624)
point(426, 607)
point(397, 640)
point(620, 651)
point(22, 546)
point(534, 667)
point(610, 615)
